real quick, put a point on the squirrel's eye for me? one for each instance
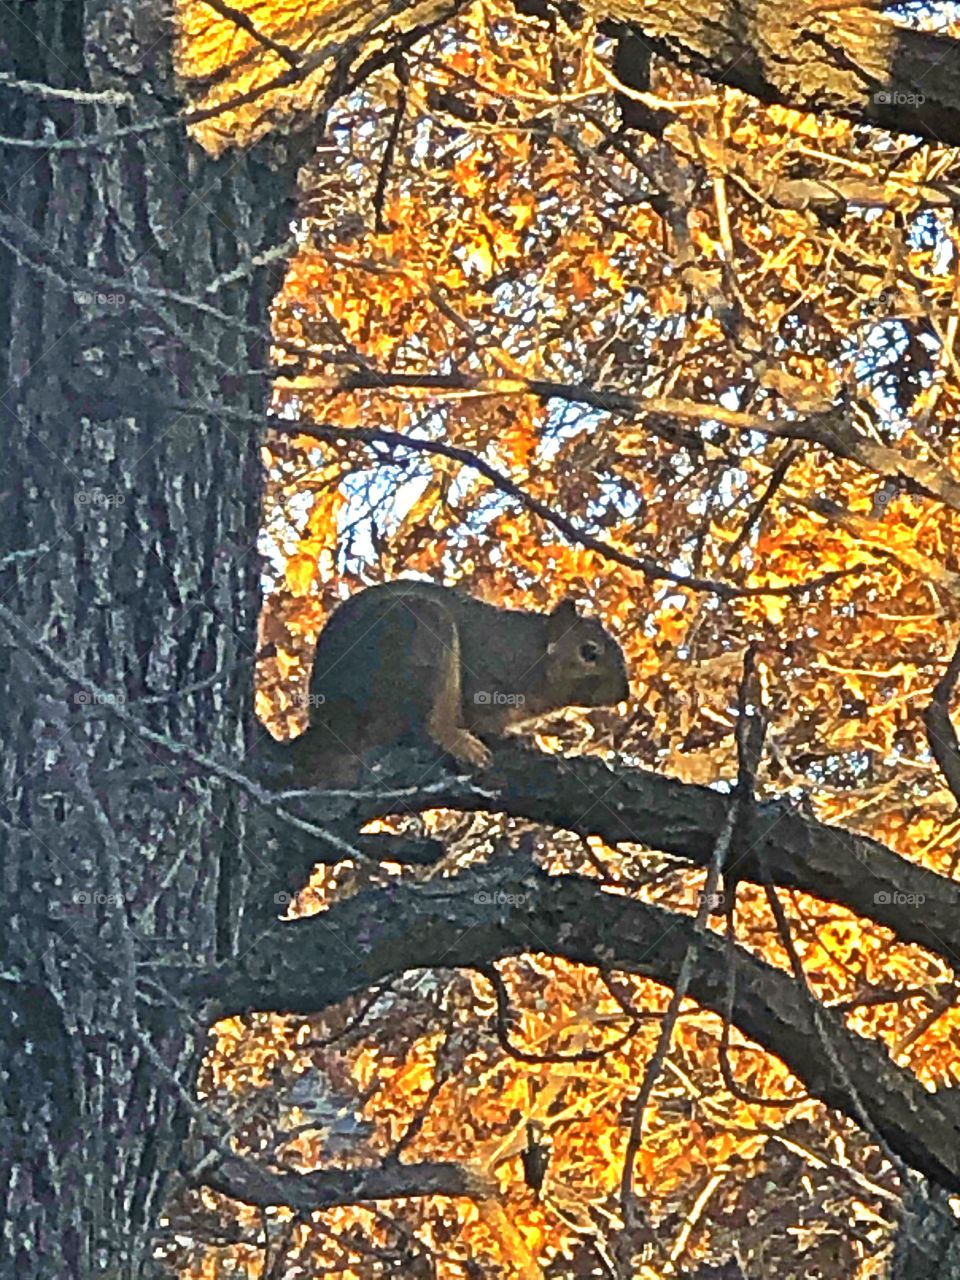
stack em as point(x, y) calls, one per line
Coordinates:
point(589, 652)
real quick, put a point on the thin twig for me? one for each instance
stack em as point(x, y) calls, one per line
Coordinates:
point(390, 149)
point(243, 20)
point(941, 735)
point(642, 564)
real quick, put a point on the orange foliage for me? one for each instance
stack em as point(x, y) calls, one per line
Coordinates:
point(521, 237)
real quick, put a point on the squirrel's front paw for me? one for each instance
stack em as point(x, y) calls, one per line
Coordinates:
point(470, 750)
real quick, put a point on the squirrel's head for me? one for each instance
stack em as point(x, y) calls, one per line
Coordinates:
point(585, 666)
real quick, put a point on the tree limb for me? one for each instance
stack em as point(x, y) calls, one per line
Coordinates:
point(510, 908)
point(586, 796)
point(941, 735)
point(248, 1181)
point(849, 60)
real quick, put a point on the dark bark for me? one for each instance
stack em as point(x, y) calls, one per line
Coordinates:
point(327, 1188)
point(849, 60)
point(511, 907)
point(928, 1244)
point(941, 735)
point(133, 536)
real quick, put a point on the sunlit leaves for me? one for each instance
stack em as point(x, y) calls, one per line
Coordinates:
point(754, 259)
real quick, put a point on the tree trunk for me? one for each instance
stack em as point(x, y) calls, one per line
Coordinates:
point(127, 616)
point(129, 532)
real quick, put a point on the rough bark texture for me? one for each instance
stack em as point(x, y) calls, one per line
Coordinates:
point(848, 59)
point(634, 806)
point(325, 1188)
point(138, 568)
point(928, 1244)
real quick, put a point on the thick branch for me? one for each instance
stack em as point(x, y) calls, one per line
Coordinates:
point(847, 59)
point(509, 908)
point(326, 1188)
point(635, 806)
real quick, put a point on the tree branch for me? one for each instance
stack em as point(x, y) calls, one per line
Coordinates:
point(643, 564)
point(941, 735)
point(832, 429)
point(635, 806)
point(326, 1188)
point(511, 907)
point(847, 60)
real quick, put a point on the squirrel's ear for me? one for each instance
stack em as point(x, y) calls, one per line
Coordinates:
point(565, 613)
point(561, 620)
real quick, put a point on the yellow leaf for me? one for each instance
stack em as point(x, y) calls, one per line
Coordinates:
point(300, 573)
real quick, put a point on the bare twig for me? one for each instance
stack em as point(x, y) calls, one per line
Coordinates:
point(391, 147)
point(243, 20)
point(642, 564)
point(492, 974)
point(941, 735)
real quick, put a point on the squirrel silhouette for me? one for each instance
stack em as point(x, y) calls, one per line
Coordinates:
point(410, 660)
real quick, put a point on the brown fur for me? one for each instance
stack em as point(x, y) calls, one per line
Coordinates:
point(413, 659)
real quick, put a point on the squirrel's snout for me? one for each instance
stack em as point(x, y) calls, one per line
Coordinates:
point(622, 684)
point(613, 689)
point(620, 693)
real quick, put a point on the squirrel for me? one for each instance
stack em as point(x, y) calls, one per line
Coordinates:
point(410, 658)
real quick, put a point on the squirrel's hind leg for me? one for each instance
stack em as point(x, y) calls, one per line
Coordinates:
point(445, 718)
